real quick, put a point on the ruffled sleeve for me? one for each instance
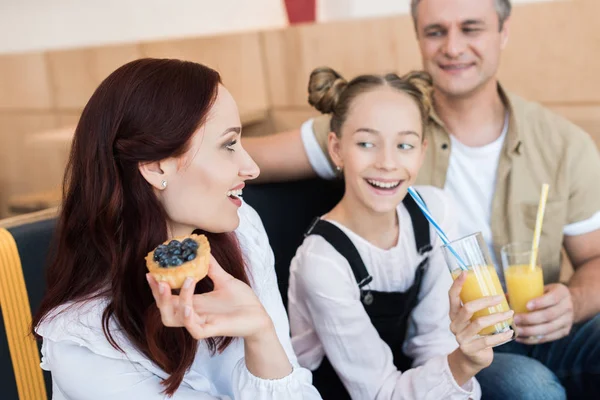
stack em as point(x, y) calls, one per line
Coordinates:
point(297, 385)
point(85, 366)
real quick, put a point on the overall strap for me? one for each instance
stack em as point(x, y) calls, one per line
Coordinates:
point(338, 239)
point(420, 225)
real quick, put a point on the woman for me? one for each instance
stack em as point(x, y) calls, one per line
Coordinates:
point(368, 295)
point(157, 155)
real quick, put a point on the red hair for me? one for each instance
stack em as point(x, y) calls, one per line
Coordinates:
point(145, 111)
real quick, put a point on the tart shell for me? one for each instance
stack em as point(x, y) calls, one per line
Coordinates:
point(175, 276)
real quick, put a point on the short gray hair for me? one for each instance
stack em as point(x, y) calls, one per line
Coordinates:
point(503, 8)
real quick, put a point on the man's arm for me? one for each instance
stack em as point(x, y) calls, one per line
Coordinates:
point(280, 157)
point(295, 154)
point(584, 253)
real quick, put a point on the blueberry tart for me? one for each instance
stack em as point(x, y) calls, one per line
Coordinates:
point(179, 258)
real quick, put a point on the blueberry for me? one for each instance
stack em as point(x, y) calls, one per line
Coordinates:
point(190, 257)
point(185, 254)
point(190, 244)
point(160, 254)
point(174, 244)
point(160, 251)
point(163, 264)
point(175, 261)
point(161, 248)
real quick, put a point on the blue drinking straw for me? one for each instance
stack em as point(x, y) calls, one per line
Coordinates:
point(436, 226)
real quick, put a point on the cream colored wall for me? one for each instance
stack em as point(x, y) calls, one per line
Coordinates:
point(33, 25)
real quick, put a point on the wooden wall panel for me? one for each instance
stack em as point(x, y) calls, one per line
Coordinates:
point(17, 168)
point(284, 120)
point(264, 127)
point(238, 59)
point(75, 74)
point(67, 119)
point(51, 149)
point(586, 116)
point(350, 47)
point(553, 53)
point(409, 56)
point(24, 82)
point(280, 120)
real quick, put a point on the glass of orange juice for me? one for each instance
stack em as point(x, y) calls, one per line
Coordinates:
point(482, 278)
point(523, 282)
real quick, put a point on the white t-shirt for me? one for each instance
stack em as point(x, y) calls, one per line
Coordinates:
point(327, 316)
point(470, 181)
point(85, 366)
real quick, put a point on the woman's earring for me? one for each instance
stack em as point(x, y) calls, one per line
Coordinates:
point(339, 169)
point(163, 184)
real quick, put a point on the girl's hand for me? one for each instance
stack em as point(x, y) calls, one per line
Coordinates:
point(476, 352)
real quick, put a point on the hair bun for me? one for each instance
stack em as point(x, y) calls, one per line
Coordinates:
point(423, 82)
point(325, 88)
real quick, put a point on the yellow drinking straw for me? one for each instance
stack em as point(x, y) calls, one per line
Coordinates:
point(538, 225)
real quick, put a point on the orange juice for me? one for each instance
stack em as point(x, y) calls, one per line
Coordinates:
point(523, 284)
point(480, 283)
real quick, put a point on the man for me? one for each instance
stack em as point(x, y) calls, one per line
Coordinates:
point(492, 151)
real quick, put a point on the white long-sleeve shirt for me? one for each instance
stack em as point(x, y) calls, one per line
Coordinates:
point(328, 318)
point(85, 366)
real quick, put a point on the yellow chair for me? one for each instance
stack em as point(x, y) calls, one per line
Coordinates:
point(24, 244)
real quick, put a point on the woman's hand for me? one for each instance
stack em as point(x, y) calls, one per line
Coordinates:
point(475, 352)
point(230, 309)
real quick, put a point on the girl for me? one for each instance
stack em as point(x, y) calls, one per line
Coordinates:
point(368, 296)
point(157, 155)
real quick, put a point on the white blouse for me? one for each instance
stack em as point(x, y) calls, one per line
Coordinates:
point(328, 318)
point(85, 366)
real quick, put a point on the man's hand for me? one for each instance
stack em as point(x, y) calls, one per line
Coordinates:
point(550, 317)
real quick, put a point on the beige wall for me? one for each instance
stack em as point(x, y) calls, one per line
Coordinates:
point(553, 57)
point(37, 25)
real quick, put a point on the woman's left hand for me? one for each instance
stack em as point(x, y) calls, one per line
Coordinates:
point(230, 309)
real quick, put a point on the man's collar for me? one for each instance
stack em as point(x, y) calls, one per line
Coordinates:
point(513, 137)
